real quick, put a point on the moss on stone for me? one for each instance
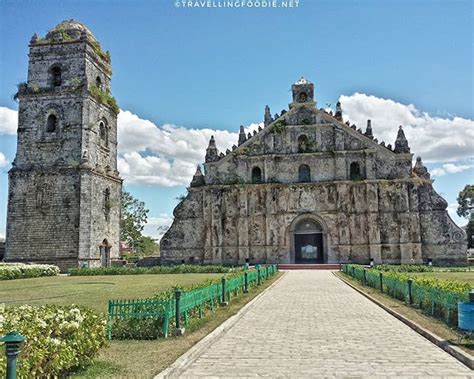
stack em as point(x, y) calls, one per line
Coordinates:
point(104, 97)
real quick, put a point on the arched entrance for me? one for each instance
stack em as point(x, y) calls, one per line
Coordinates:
point(308, 242)
point(104, 249)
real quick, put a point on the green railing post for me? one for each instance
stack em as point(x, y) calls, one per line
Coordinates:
point(381, 281)
point(365, 277)
point(246, 282)
point(223, 301)
point(410, 295)
point(258, 276)
point(13, 341)
point(353, 271)
point(178, 331)
point(109, 320)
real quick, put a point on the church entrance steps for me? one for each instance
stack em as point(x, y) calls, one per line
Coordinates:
point(309, 266)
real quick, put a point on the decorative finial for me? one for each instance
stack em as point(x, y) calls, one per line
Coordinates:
point(420, 170)
point(242, 137)
point(401, 143)
point(34, 38)
point(368, 129)
point(338, 115)
point(211, 151)
point(198, 178)
point(267, 120)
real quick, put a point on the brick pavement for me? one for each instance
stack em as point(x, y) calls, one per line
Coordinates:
point(311, 324)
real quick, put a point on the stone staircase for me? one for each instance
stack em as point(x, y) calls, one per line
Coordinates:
point(309, 266)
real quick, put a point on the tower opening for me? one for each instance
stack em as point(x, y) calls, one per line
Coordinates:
point(52, 123)
point(56, 76)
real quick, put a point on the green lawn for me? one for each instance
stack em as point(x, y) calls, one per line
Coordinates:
point(465, 276)
point(93, 291)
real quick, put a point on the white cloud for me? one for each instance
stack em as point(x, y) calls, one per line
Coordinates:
point(3, 160)
point(167, 155)
point(157, 226)
point(452, 210)
point(450, 168)
point(435, 139)
point(8, 121)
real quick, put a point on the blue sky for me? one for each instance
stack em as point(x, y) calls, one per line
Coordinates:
point(217, 68)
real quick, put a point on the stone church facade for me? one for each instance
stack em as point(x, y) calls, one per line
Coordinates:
point(309, 188)
point(64, 187)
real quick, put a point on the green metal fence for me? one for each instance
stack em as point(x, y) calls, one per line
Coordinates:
point(436, 302)
point(152, 318)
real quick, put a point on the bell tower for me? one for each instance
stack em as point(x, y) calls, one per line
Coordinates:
point(64, 187)
point(303, 93)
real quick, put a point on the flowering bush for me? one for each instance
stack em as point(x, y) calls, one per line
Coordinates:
point(22, 270)
point(58, 339)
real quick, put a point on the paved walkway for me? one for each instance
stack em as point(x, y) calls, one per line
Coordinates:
point(312, 324)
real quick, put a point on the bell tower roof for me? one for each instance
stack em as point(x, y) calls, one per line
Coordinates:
point(69, 29)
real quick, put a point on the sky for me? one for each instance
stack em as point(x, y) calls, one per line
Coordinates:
point(181, 74)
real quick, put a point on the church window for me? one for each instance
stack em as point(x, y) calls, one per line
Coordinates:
point(98, 82)
point(104, 134)
point(56, 76)
point(256, 175)
point(303, 97)
point(52, 123)
point(304, 174)
point(303, 144)
point(107, 205)
point(355, 173)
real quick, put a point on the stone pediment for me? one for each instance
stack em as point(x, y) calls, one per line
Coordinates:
point(306, 116)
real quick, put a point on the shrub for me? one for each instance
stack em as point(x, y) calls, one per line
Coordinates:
point(104, 97)
point(180, 269)
point(405, 268)
point(21, 270)
point(58, 339)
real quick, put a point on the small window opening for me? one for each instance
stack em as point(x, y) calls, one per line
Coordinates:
point(256, 175)
point(104, 138)
point(98, 82)
point(303, 144)
point(56, 76)
point(355, 173)
point(107, 204)
point(303, 97)
point(52, 123)
point(304, 174)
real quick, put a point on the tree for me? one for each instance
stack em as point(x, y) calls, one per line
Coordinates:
point(147, 246)
point(466, 210)
point(133, 219)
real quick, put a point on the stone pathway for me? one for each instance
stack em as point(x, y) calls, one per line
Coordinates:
point(311, 324)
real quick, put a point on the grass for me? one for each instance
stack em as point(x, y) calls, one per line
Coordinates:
point(452, 335)
point(461, 276)
point(144, 359)
point(93, 291)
